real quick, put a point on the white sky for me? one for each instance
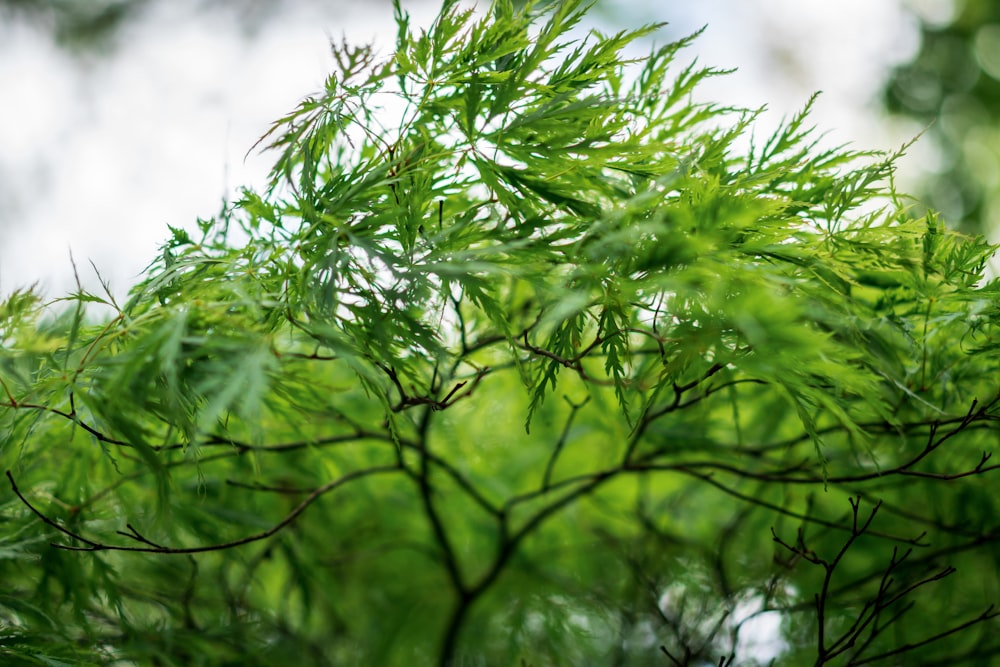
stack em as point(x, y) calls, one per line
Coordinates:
point(98, 156)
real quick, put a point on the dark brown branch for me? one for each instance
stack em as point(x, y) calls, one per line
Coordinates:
point(237, 448)
point(151, 548)
point(551, 464)
point(785, 477)
point(408, 401)
point(906, 648)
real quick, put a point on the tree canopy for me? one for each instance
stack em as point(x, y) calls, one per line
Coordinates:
point(523, 357)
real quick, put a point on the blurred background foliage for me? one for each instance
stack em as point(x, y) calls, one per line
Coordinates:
point(72, 22)
point(93, 25)
point(952, 85)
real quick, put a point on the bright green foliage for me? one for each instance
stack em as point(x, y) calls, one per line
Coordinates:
point(523, 358)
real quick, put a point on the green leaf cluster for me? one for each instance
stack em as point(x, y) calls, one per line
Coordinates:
point(522, 357)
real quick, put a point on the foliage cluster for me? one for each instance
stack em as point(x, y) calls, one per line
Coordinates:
point(522, 358)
